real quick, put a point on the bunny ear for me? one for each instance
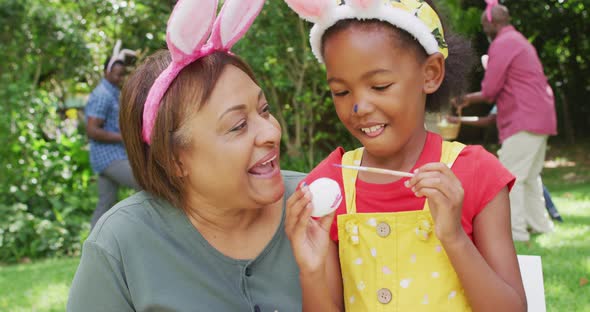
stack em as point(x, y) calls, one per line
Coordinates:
point(189, 25)
point(310, 10)
point(490, 4)
point(114, 57)
point(117, 47)
point(362, 4)
point(233, 22)
point(126, 52)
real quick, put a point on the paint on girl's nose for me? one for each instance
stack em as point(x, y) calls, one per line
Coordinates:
point(356, 108)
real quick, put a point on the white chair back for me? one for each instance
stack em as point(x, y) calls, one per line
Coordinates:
point(531, 271)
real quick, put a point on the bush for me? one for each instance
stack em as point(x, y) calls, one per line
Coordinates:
point(46, 175)
point(23, 234)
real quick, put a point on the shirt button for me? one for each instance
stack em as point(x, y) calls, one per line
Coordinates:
point(383, 229)
point(248, 271)
point(384, 295)
point(257, 308)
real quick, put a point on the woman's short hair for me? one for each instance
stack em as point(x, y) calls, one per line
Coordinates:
point(155, 166)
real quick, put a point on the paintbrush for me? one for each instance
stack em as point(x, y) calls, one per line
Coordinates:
point(377, 170)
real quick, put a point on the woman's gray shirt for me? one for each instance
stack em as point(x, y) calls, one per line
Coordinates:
point(145, 255)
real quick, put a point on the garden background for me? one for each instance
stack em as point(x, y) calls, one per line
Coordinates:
point(51, 56)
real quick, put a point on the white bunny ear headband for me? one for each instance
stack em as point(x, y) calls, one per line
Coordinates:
point(189, 26)
point(414, 16)
point(119, 55)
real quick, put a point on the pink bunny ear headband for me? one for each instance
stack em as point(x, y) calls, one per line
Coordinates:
point(191, 22)
point(490, 5)
point(119, 55)
point(414, 16)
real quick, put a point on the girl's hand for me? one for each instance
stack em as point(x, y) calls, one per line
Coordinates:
point(310, 238)
point(444, 193)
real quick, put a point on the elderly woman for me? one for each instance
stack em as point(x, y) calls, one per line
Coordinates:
point(207, 234)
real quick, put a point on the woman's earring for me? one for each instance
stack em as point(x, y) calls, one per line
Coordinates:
point(355, 108)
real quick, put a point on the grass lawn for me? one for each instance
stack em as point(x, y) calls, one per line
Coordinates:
point(39, 286)
point(43, 285)
point(566, 257)
point(566, 252)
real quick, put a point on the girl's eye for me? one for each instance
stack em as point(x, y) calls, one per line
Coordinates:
point(239, 127)
point(382, 88)
point(341, 93)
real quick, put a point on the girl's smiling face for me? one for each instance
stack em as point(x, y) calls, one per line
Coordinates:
point(234, 158)
point(380, 86)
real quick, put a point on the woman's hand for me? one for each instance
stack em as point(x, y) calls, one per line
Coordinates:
point(310, 238)
point(444, 193)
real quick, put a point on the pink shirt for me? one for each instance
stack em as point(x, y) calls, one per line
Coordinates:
point(481, 174)
point(514, 79)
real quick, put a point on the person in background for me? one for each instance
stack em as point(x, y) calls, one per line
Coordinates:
point(489, 120)
point(515, 81)
point(108, 158)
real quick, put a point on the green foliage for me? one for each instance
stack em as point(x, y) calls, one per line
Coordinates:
point(44, 167)
point(53, 51)
point(464, 21)
point(140, 25)
point(34, 37)
point(45, 191)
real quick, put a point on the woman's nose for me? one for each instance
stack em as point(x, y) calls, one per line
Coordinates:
point(269, 132)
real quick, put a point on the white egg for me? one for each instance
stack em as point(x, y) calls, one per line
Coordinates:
point(326, 196)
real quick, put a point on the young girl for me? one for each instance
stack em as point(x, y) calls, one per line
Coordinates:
point(439, 241)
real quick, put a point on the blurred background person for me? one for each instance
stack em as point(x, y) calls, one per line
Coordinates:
point(515, 81)
point(107, 152)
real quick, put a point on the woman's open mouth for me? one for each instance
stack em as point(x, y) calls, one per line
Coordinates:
point(266, 168)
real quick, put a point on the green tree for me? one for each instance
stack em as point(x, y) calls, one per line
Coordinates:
point(40, 155)
point(50, 51)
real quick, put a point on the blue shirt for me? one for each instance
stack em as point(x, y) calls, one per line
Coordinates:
point(103, 103)
point(494, 110)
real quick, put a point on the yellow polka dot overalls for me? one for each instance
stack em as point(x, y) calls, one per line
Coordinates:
point(394, 261)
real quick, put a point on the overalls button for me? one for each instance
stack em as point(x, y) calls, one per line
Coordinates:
point(384, 295)
point(383, 229)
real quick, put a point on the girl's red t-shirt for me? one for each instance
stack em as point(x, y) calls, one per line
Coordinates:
point(480, 172)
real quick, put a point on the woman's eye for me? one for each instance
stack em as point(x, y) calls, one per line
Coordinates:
point(382, 88)
point(266, 109)
point(239, 127)
point(341, 93)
